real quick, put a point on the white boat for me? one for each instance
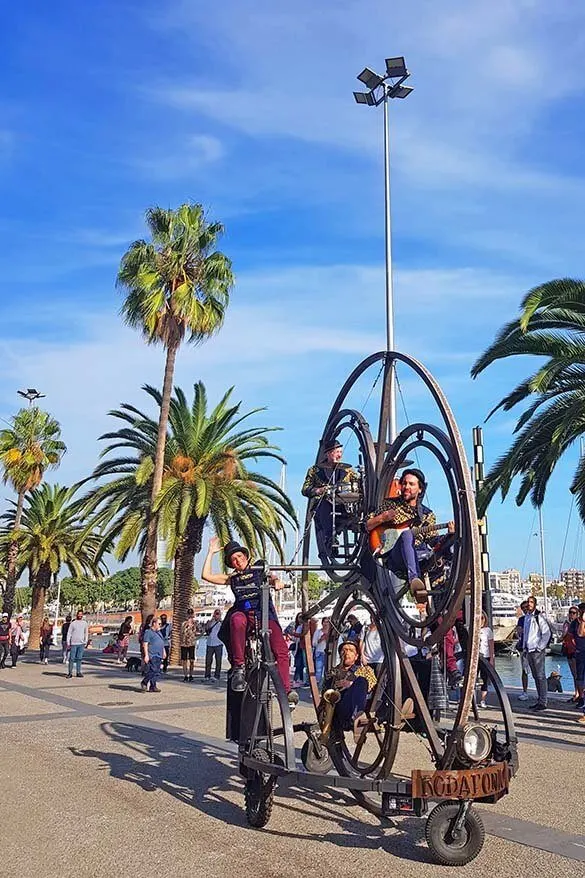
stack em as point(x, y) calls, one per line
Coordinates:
point(505, 614)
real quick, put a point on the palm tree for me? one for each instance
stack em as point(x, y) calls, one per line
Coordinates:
point(205, 478)
point(177, 284)
point(27, 449)
point(551, 325)
point(53, 532)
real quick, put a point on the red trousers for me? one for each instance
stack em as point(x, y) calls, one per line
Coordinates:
point(240, 624)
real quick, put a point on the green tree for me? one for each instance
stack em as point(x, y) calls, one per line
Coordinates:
point(177, 284)
point(124, 586)
point(54, 533)
point(28, 448)
point(206, 478)
point(315, 585)
point(81, 592)
point(551, 325)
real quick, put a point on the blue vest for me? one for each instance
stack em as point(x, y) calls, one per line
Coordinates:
point(247, 588)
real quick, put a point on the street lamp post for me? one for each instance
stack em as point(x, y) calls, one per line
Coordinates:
point(380, 90)
point(32, 394)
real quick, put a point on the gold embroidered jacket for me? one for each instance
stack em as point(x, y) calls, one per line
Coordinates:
point(322, 475)
point(416, 516)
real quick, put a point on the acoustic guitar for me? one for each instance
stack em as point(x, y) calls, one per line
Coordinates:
point(376, 536)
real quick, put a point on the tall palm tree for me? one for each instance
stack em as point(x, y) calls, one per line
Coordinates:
point(177, 284)
point(54, 533)
point(27, 449)
point(205, 478)
point(551, 325)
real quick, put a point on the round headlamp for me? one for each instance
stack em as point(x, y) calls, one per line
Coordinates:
point(475, 744)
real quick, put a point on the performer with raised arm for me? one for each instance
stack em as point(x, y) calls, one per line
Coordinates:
point(320, 480)
point(407, 527)
point(246, 584)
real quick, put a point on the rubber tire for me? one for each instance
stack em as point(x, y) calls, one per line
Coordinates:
point(259, 793)
point(438, 826)
point(312, 762)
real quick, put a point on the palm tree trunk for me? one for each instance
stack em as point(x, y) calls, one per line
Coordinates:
point(183, 582)
point(40, 583)
point(11, 570)
point(149, 562)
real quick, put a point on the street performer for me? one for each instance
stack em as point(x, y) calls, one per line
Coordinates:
point(319, 481)
point(409, 527)
point(246, 584)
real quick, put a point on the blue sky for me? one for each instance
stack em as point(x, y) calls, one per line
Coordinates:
point(107, 109)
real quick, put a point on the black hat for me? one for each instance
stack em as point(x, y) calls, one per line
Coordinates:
point(418, 474)
point(230, 549)
point(332, 445)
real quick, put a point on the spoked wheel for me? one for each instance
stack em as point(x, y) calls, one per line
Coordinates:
point(259, 792)
point(339, 514)
point(453, 838)
point(370, 752)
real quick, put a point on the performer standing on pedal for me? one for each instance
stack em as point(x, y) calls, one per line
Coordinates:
point(328, 474)
point(246, 583)
point(397, 517)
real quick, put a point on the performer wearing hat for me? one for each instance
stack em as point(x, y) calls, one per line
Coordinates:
point(398, 515)
point(330, 473)
point(246, 584)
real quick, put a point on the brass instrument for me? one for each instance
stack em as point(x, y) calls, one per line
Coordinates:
point(329, 700)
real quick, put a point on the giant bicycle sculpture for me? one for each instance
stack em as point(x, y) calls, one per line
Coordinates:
point(471, 760)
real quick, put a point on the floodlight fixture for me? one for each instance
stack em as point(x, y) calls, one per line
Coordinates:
point(396, 67)
point(364, 97)
point(370, 79)
point(31, 393)
point(402, 91)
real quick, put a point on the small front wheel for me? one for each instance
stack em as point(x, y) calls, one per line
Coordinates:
point(259, 792)
point(452, 847)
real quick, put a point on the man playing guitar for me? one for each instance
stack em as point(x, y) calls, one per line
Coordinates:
point(408, 524)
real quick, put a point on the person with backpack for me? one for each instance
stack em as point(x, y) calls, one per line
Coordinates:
point(536, 636)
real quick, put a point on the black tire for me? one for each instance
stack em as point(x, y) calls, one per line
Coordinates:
point(447, 850)
point(259, 793)
point(314, 763)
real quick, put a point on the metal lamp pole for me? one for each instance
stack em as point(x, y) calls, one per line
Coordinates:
point(543, 562)
point(380, 90)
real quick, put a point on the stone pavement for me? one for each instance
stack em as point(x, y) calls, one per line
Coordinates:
point(99, 778)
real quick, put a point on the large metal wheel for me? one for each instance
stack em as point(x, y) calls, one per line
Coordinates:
point(372, 755)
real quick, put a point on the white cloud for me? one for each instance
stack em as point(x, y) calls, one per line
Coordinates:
point(194, 154)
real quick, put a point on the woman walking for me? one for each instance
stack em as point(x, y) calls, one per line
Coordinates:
point(45, 640)
point(486, 651)
point(16, 640)
point(577, 629)
point(153, 646)
point(298, 635)
point(123, 639)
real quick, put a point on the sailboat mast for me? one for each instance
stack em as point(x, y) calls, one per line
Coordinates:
point(543, 561)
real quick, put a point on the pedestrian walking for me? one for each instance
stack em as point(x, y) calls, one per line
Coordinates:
point(569, 650)
point(486, 651)
point(141, 632)
point(166, 630)
point(536, 635)
point(577, 629)
point(188, 638)
point(16, 640)
point(4, 639)
point(45, 640)
point(77, 640)
point(299, 651)
point(214, 647)
point(123, 639)
point(523, 657)
point(320, 637)
point(64, 630)
point(153, 646)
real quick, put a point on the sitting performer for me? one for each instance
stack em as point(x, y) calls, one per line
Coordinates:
point(330, 473)
point(246, 584)
point(355, 681)
point(399, 515)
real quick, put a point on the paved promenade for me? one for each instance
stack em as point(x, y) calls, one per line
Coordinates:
point(100, 779)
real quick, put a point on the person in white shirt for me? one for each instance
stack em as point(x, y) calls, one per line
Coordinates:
point(77, 640)
point(320, 638)
point(371, 647)
point(214, 648)
point(486, 651)
point(536, 635)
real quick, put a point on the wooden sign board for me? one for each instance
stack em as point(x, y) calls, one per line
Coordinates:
point(492, 781)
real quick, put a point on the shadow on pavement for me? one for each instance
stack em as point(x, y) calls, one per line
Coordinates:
point(206, 778)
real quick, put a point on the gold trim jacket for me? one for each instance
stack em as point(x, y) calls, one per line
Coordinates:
point(322, 476)
point(416, 516)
